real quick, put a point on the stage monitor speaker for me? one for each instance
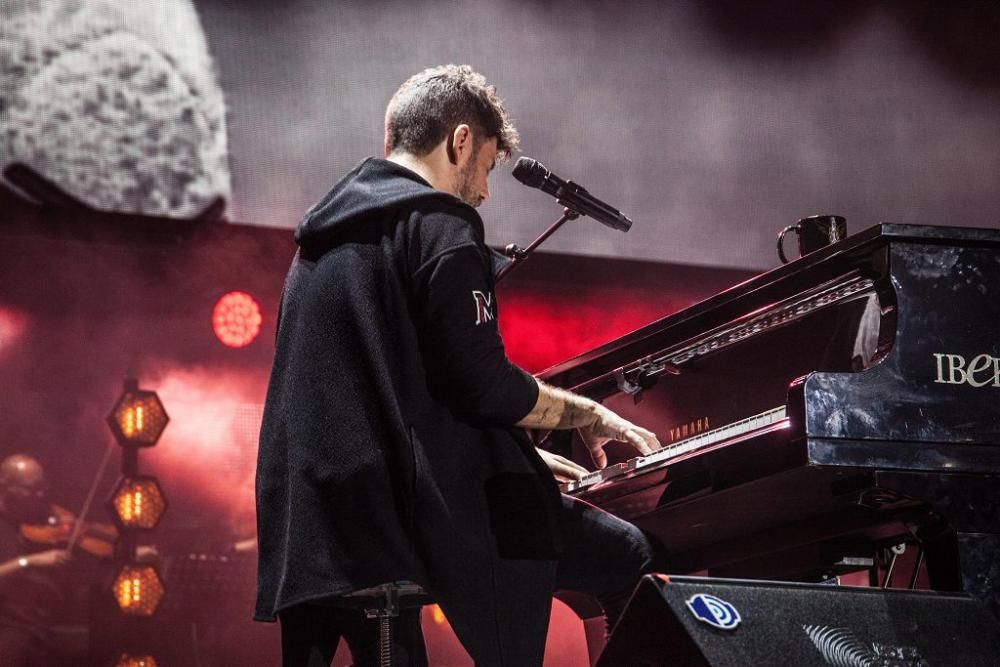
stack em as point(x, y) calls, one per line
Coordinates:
point(700, 622)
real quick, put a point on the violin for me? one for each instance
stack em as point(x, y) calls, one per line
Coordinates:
point(96, 539)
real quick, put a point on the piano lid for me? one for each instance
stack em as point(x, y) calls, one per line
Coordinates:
point(856, 258)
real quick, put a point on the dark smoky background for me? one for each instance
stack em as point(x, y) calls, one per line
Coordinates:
point(87, 301)
point(712, 124)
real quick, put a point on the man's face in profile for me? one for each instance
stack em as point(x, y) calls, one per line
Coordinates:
point(473, 187)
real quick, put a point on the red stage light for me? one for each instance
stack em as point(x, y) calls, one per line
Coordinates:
point(438, 616)
point(127, 660)
point(236, 319)
point(12, 325)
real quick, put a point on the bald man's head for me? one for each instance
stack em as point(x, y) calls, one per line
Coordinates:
point(23, 490)
point(21, 470)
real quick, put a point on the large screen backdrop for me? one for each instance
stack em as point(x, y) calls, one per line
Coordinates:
point(712, 124)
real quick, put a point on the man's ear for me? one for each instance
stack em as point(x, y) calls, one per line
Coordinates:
point(460, 145)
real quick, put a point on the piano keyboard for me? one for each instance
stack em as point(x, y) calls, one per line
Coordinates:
point(668, 453)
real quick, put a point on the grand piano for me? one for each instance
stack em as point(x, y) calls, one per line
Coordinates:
point(816, 414)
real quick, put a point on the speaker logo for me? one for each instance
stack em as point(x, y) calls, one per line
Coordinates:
point(715, 611)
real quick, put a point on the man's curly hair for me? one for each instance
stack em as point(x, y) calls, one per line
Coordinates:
point(431, 104)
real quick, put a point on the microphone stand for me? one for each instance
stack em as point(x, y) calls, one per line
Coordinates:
point(518, 254)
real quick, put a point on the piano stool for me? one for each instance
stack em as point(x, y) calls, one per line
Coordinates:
point(384, 602)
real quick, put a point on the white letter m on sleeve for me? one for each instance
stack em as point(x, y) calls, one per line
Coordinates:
point(484, 306)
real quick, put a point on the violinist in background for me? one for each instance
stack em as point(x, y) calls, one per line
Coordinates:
point(31, 575)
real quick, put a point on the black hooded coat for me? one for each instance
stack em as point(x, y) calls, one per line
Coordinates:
point(387, 450)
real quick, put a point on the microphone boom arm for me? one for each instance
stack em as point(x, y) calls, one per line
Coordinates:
point(518, 254)
point(575, 200)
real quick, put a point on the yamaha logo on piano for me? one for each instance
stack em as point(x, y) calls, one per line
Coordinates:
point(980, 371)
point(694, 427)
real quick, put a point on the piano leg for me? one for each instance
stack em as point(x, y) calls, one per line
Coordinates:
point(979, 554)
point(969, 535)
point(940, 545)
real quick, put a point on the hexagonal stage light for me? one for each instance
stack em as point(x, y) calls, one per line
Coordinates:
point(138, 589)
point(127, 660)
point(138, 502)
point(138, 418)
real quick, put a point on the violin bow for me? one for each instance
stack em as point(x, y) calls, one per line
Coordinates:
point(78, 524)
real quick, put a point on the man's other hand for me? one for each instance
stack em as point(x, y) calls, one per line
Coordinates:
point(563, 469)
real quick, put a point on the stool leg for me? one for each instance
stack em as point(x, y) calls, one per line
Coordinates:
point(384, 640)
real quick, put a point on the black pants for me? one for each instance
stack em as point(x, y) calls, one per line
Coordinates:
point(603, 556)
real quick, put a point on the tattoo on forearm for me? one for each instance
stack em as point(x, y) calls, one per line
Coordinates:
point(559, 409)
point(573, 416)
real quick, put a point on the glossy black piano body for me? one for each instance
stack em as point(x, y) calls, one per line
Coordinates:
point(818, 412)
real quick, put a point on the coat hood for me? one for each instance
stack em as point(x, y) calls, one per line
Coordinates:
point(373, 188)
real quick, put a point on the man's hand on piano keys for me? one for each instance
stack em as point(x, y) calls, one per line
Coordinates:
point(610, 426)
point(560, 409)
point(562, 468)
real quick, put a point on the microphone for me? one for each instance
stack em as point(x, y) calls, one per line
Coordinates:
point(534, 174)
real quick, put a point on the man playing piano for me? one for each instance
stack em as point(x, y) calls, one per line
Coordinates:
point(392, 446)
